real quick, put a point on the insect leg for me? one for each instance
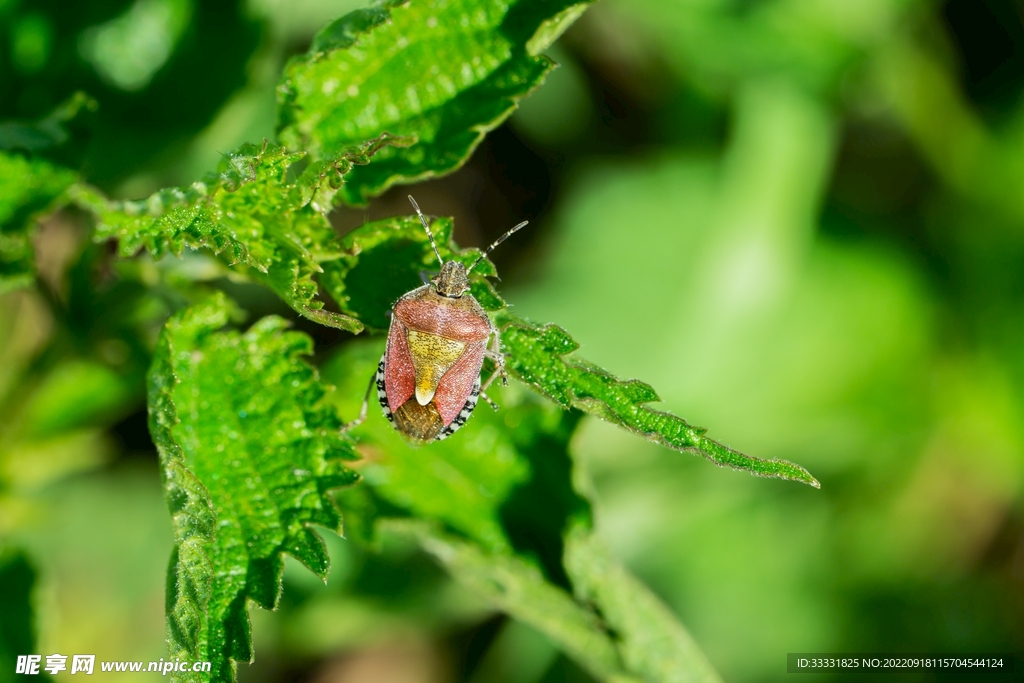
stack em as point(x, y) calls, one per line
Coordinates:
point(362, 410)
point(483, 387)
point(494, 353)
point(489, 401)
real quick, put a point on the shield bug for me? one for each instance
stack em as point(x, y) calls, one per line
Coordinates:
point(428, 380)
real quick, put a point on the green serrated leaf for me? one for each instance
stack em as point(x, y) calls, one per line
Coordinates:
point(249, 213)
point(444, 72)
point(27, 187)
point(382, 260)
point(249, 452)
point(542, 356)
point(652, 642)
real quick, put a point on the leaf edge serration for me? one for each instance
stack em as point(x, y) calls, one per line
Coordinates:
point(191, 572)
point(528, 28)
point(563, 370)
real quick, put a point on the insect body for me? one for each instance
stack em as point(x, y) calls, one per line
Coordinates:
point(428, 380)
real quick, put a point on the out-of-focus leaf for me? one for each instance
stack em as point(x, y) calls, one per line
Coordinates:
point(520, 590)
point(100, 543)
point(17, 628)
point(382, 260)
point(250, 213)
point(31, 463)
point(27, 187)
point(127, 50)
point(443, 71)
point(49, 131)
point(652, 642)
point(541, 357)
point(74, 394)
point(713, 43)
point(975, 161)
point(249, 453)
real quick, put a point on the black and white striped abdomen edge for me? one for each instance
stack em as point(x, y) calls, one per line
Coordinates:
point(456, 424)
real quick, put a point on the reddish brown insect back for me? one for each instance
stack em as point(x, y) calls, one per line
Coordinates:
point(428, 380)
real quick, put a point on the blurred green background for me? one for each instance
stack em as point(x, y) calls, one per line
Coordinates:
point(801, 220)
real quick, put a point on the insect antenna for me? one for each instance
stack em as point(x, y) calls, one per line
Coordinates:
point(498, 241)
point(427, 228)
